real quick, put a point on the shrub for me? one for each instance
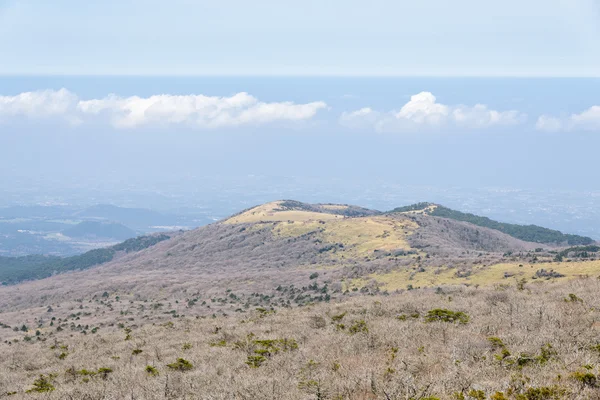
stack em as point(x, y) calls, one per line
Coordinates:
point(573, 299)
point(339, 317)
point(496, 342)
point(255, 361)
point(404, 317)
point(181, 365)
point(547, 352)
point(186, 346)
point(542, 393)
point(85, 372)
point(358, 326)
point(476, 394)
point(42, 384)
point(135, 352)
point(444, 315)
point(273, 346)
point(548, 274)
point(586, 378)
point(103, 372)
point(152, 370)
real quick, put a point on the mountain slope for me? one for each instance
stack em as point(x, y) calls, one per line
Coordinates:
point(529, 233)
point(17, 269)
point(283, 244)
point(267, 304)
point(100, 229)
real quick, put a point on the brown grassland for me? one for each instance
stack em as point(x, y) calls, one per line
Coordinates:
point(537, 341)
point(296, 301)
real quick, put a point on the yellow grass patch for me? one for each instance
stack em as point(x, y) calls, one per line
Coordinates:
point(271, 212)
point(481, 275)
point(296, 228)
point(360, 236)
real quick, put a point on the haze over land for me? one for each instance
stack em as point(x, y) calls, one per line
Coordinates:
point(515, 173)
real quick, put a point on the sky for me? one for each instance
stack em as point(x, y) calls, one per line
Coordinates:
point(308, 37)
point(174, 95)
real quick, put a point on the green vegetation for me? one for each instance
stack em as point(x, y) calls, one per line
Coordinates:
point(577, 252)
point(151, 370)
point(338, 209)
point(180, 365)
point(42, 384)
point(17, 269)
point(444, 315)
point(255, 361)
point(412, 207)
point(586, 378)
point(358, 327)
point(528, 233)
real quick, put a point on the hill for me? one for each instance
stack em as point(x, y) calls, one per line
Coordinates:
point(18, 269)
point(100, 229)
point(282, 246)
point(528, 233)
point(290, 300)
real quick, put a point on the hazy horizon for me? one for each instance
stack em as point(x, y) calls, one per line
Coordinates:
point(513, 172)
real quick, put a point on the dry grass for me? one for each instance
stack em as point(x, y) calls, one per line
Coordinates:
point(359, 237)
point(272, 212)
point(223, 296)
point(395, 354)
point(479, 275)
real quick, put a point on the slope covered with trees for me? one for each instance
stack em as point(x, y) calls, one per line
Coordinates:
point(18, 269)
point(528, 233)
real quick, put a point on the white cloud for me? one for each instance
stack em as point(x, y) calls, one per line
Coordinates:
point(480, 116)
point(39, 104)
point(362, 118)
point(588, 120)
point(549, 124)
point(423, 111)
point(130, 112)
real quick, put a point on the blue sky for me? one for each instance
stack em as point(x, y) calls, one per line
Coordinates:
point(308, 37)
point(81, 102)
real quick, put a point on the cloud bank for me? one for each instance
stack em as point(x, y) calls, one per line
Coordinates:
point(588, 120)
point(130, 112)
point(423, 111)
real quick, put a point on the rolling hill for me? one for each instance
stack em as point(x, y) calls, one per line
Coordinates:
point(284, 243)
point(529, 233)
point(294, 301)
point(100, 229)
